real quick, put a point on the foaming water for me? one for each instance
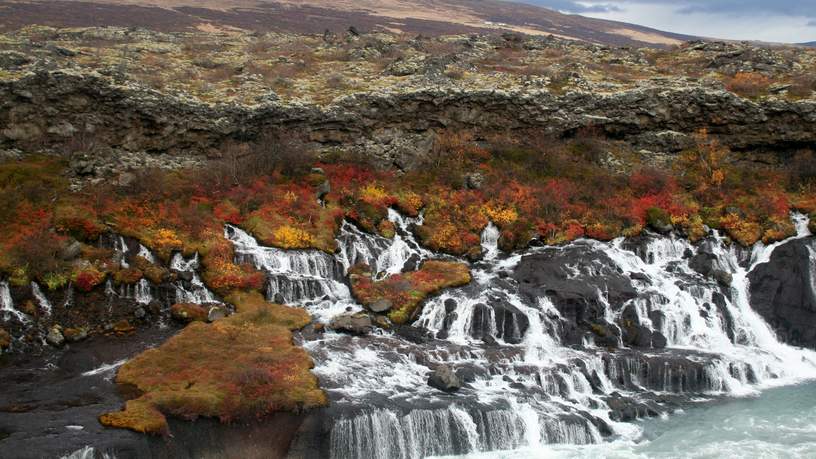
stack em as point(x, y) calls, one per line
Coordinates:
point(780, 423)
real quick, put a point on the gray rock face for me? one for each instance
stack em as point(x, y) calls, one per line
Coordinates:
point(390, 128)
point(782, 292)
point(444, 379)
point(354, 323)
point(572, 277)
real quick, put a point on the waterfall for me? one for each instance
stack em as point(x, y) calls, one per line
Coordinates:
point(490, 241)
point(525, 386)
point(88, 452)
point(195, 291)
point(384, 256)
point(7, 304)
point(145, 253)
point(121, 247)
point(141, 291)
point(42, 300)
point(303, 277)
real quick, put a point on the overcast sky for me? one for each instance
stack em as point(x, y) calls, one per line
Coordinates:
point(768, 20)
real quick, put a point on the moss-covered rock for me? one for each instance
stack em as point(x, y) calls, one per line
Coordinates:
point(405, 292)
point(241, 367)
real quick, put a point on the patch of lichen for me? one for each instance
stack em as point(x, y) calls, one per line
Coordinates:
point(406, 291)
point(241, 367)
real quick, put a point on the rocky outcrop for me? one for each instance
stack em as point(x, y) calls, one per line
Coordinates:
point(782, 292)
point(354, 323)
point(392, 128)
point(581, 283)
point(444, 379)
point(510, 323)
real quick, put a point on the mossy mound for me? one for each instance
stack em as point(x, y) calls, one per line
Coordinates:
point(406, 291)
point(242, 367)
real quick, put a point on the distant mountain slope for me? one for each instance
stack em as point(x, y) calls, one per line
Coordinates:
point(433, 17)
point(810, 43)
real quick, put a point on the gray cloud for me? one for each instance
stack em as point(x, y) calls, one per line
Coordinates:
point(733, 7)
point(767, 20)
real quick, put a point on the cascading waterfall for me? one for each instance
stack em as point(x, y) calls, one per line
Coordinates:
point(42, 300)
point(524, 387)
point(145, 253)
point(7, 304)
point(141, 291)
point(490, 241)
point(307, 277)
point(197, 292)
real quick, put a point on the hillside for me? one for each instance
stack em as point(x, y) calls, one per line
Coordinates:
point(316, 16)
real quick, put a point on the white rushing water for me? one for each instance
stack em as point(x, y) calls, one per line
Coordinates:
point(196, 292)
point(42, 300)
point(7, 304)
point(525, 388)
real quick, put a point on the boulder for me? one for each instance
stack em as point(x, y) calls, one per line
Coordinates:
point(189, 312)
point(474, 181)
point(357, 323)
point(381, 305)
point(55, 337)
point(140, 313)
point(444, 379)
point(708, 265)
point(782, 292)
point(217, 312)
point(413, 334)
point(71, 251)
point(73, 335)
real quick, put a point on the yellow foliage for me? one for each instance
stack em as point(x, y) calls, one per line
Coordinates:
point(167, 238)
point(373, 193)
point(411, 201)
point(500, 215)
point(288, 237)
point(745, 232)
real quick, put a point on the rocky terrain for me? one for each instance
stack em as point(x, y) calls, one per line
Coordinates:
point(316, 16)
point(139, 92)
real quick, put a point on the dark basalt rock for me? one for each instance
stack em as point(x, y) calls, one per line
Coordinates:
point(782, 292)
point(511, 323)
point(625, 409)
point(413, 334)
point(573, 278)
point(707, 264)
